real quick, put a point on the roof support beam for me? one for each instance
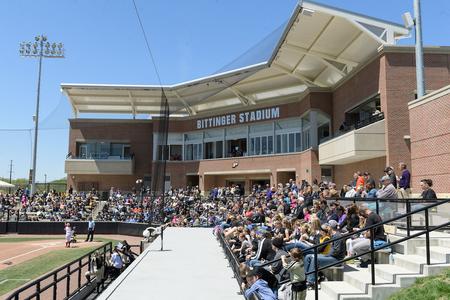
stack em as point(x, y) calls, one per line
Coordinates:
point(133, 106)
point(188, 108)
point(295, 74)
point(246, 100)
point(370, 33)
point(320, 55)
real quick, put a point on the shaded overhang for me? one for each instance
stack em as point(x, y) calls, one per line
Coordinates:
point(319, 47)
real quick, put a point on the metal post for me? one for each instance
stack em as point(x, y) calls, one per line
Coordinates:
point(427, 237)
point(377, 207)
point(38, 290)
point(316, 275)
point(408, 218)
point(419, 51)
point(36, 122)
point(10, 175)
point(372, 256)
point(68, 281)
point(55, 285)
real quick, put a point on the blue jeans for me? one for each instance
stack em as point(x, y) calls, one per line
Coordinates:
point(300, 245)
point(322, 260)
point(254, 263)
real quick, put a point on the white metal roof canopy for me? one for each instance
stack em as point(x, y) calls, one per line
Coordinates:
point(319, 47)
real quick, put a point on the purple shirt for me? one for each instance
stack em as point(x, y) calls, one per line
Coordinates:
point(405, 179)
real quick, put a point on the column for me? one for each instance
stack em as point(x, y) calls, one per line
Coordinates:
point(313, 138)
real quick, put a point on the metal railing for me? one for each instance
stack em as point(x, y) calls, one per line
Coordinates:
point(373, 249)
point(48, 283)
point(233, 262)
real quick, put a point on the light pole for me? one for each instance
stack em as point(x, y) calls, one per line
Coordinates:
point(416, 22)
point(45, 182)
point(40, 48)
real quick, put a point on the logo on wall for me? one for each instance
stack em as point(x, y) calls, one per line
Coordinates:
point(235, 164)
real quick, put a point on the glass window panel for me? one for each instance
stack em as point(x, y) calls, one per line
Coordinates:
point(257, 146)
point(291, 142)
point(252, 146)
point(270, 144)
point(215, 133)
point(278, 150)
point(188, 152)
point(193, 136)
point(298, 142)
point(284, 141)
point(240, 131)
point(219, 149)
point(261, 128)
point(288, 124)
point(116, 149)
point(264, 145)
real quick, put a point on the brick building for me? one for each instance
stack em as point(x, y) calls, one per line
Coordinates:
point(331, 98)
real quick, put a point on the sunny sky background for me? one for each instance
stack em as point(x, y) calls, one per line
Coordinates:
point(104, 44)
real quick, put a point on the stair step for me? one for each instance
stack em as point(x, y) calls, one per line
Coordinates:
point(389, 272)
point(412, 262)
point(310, 295)
point(436, 252)
point(362, 278)
point(334, 289)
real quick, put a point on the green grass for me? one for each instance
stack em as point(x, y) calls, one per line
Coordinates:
point(427, 288)
point(38, 266)
point(27, 239)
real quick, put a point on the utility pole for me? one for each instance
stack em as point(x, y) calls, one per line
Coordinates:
point(10, 175)
point(419, 50)
point(41, 48)
point(45, 182)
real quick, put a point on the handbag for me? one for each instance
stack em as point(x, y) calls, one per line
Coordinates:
point(299, 286)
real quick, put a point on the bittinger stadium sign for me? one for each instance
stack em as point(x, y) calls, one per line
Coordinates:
point(239, 118)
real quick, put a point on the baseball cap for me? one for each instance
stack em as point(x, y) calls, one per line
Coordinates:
point(333, 224)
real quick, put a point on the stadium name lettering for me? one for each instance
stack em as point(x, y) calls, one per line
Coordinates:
point(239, 118)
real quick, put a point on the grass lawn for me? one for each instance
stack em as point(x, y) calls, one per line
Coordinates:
point(27, 239)
point(15, 276)
point(428, 288)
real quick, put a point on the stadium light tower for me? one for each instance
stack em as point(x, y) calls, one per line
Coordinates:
point(40, 48)
point(416, 22)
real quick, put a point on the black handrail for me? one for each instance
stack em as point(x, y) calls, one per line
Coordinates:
point(234, 264)
point(373, 249)
point(37, 289)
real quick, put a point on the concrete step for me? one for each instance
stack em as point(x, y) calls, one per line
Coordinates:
point(412, 262)
point(335, 289)
point(435, 269)
point(310, 295)
point(444, 242)
point(390, 272)
point(439, 253)
point(362, 278)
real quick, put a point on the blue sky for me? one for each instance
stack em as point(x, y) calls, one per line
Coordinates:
point(104, 44)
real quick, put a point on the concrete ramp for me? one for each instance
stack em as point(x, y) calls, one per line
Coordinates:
point(192, 267)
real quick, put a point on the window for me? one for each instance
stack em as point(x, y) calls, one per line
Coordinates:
point(291, 142)
point(298, 142)
point(188, 152)
point(176, 152)
point(219, 149)
point(209, 150)
point(270, 144)
point(264, 145)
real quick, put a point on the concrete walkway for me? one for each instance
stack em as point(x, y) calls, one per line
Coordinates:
point(192, 267)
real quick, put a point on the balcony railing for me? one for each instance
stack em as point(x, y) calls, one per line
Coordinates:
point(103, 155)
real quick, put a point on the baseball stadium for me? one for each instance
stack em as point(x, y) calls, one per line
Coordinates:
point(314, 166)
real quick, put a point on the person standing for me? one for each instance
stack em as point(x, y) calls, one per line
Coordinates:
point(427, 191)
point(68, 231)
point(91, 229)
point(404, 183)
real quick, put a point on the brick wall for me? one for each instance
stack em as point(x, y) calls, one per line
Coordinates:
point(430, 141)
point(343, 174)
point(138, 133)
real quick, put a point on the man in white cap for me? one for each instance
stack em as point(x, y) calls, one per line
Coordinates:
point(388, 191)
